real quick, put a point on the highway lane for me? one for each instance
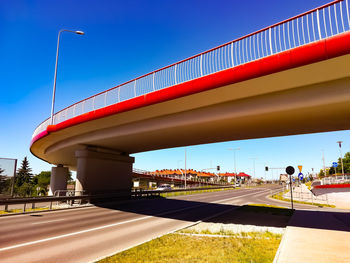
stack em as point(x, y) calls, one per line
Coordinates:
point(85, 234)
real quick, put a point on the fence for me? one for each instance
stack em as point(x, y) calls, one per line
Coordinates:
point(337, 179)
point(317, 24)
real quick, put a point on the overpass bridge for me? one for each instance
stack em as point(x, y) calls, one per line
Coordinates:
point(289, 78)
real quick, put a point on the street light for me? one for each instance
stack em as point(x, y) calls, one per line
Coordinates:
point(253, 158)
point(54, 82)
point(234, 159)
point(341, 157)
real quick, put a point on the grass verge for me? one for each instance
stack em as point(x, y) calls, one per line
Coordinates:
point(2, 212)
point(180, 248)
point(195, 192)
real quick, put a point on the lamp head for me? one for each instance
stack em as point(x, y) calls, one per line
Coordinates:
point(79, 32)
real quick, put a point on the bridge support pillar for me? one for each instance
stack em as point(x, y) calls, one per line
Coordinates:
point(58, 180)
point(101, 171)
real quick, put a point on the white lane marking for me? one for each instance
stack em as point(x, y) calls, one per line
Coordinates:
point(112, 225)
point(44, 222)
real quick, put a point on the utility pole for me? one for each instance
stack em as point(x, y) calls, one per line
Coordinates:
point(185, 169)
point(324, 163)
point(341, 158)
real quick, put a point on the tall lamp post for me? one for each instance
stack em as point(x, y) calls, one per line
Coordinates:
point(253, 158)
point(54, 82)
point(341, 157)
point(234, 160)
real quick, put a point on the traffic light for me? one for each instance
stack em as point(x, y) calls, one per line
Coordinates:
point(218, 167)
point(266, 168)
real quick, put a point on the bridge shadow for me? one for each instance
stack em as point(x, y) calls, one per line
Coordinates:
point(193, 211)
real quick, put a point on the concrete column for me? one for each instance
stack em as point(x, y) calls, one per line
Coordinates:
point(58, 180)
point(102, 171)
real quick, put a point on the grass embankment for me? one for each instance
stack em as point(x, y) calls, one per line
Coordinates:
point(189, 245)
point(181, 248)
point(3, 212)
point(279, 196)
point(171, 194)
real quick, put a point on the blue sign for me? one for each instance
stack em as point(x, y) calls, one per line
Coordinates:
point(301, 176)
point(335, 164)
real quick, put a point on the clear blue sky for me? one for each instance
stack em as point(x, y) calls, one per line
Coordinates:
point(126, 39)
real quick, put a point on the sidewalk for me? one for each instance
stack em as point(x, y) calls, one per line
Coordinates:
point(313, 236)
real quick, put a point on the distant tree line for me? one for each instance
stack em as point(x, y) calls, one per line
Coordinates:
point(26, 184)
point(338, 169)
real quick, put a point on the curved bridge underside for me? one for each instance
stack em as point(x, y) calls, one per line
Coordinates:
point(304, 90)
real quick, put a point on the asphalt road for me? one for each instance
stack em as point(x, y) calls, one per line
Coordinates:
point(87, 234)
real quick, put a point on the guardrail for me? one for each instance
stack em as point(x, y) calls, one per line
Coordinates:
point(86, 199)
point(319, 23)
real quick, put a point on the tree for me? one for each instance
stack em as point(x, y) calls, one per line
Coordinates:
point(24, 174)
point(5, 183)
point(321, 174)
point(23, 183)
point(41, 181)
point(346, 164)
point(332, 170)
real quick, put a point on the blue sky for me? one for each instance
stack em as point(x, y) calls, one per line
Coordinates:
point(126, 39)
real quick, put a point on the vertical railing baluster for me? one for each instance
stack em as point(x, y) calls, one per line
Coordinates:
point(330, 20)
point(175, 74)
point(232, 61)
point(201, 65)
point(307, 26)
point(119, 93)
point(313, 26)
point(302, 29)
point(293, 33)
point(336, 18)
point(324, 22)
point(270, 39)
point(254, 38)
point(296, 20)
point(347, 11)
point(318, 25)
point(341, 16)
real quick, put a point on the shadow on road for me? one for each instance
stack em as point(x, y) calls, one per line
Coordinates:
point(194, 211)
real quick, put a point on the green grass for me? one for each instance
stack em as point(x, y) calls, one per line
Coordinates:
point(177, 248)
point(279, 196)
point(2, 212)
point(194, 192)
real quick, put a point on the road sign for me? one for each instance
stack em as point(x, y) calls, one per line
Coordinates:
point(300, 167)
point(290, 170)
point(301, 176)
point(335, 164)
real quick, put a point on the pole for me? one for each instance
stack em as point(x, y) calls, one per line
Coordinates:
point(55, 78)
point(56, 65)
point(14, 178)
point(324, 164)
point(185, 169)
point(341, 158)
point(291, 190)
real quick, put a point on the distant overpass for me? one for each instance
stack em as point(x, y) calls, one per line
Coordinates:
point(289, 78)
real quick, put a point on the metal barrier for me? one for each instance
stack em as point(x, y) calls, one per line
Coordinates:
point(86, 199)
point(340, 179)
point(317, 24)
